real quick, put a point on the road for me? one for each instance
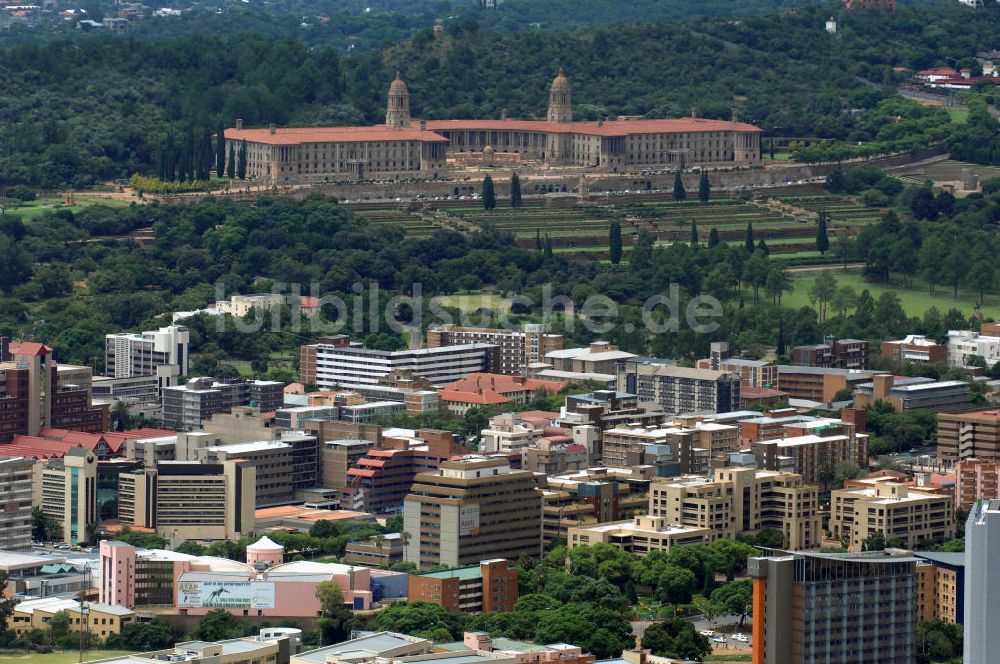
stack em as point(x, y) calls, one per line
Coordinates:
point(824, 268)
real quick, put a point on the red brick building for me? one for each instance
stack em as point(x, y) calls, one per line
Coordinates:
point(488, 586)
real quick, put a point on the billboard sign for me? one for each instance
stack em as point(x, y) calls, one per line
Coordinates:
point(468, 520)
point(225, 595)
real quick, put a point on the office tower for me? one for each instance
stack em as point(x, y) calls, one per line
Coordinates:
point(472, 509)
point(834, 608)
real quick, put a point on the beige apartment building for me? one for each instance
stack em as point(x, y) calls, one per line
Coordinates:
point(66, 491)
point(963, 436)
point(518, 348)
point(190, 501)
point(872, 505)
point(639, 535)
point(471, 509)
point(693, 447)
point(741, 500)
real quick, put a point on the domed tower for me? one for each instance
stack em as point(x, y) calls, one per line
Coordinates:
point(560, 99)
point(397, 111)
point(265, 553)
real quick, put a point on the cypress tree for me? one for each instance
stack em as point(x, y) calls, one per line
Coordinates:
point(615, 242)
point(220, 152)
point(489, 193)
point(781, 337)
point(679, 193)
point(170, 159)
point(241, 161)
point(762, 247)
point(231, 164)
point(189, 155)
point(694, 233)
point(205, 155)
point(704, 188)
point(548, 246)
point(515, 191)
point(749, 238)
point(538, 239)
point(822, 239)
point(713, 237)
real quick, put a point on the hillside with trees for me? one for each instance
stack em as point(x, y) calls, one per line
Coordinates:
point(77, 111)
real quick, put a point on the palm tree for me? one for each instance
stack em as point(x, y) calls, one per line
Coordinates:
point(121, 419)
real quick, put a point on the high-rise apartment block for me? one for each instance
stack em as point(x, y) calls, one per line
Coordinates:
point(15, 504)
point(186, 406)
point(190, 501)
point(982, 584)
point(66, 491)
point(834, 608)
point(517, 348)
point(472, 509)
point(897, 511)
point(336, 365)
point(677, 390)
point(833, 353)
point(741, 500)
point(811, 447)
point(162, 353)
point(753, 373)
point(974, 434)
point(976, 479)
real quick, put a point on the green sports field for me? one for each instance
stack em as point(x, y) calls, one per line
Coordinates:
point(915, 301)
point(68, 657)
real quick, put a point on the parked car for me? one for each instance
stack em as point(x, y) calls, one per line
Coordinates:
point(707, 632)
point(742, 638)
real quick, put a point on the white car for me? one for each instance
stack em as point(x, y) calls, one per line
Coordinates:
point(707, 632)
point(742, 638)
point(719, 639)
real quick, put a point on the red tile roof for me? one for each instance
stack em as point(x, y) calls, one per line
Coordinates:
point(607, 128)
point(299, 135)
point(29, 348)
point(34, 447)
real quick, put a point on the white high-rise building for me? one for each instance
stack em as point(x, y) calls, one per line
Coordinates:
point(982, 584)
point(162, 353)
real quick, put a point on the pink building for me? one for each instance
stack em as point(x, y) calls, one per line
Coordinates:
point(975, 479)
point(195, 585)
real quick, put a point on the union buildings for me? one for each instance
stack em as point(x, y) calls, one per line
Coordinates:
point(407, 148)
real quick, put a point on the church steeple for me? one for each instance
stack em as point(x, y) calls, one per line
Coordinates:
point(397, 110)
point(560, 99)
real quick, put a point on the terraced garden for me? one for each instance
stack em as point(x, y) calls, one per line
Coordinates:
point(576, 230)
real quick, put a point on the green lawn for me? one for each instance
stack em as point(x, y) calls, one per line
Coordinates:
point(474, 302)
point(68, 657)
point(32, 209)
point(729, 658)
point(959, 114)
point(915, 301)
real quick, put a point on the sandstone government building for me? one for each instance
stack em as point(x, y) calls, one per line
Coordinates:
point(406, 148)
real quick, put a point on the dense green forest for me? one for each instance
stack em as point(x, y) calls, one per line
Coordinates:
point(70, 291)
point(74, 112)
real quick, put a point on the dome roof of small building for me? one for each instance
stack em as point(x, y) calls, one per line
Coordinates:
point(265, 544)
point(488, 149)
point(398, 86)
